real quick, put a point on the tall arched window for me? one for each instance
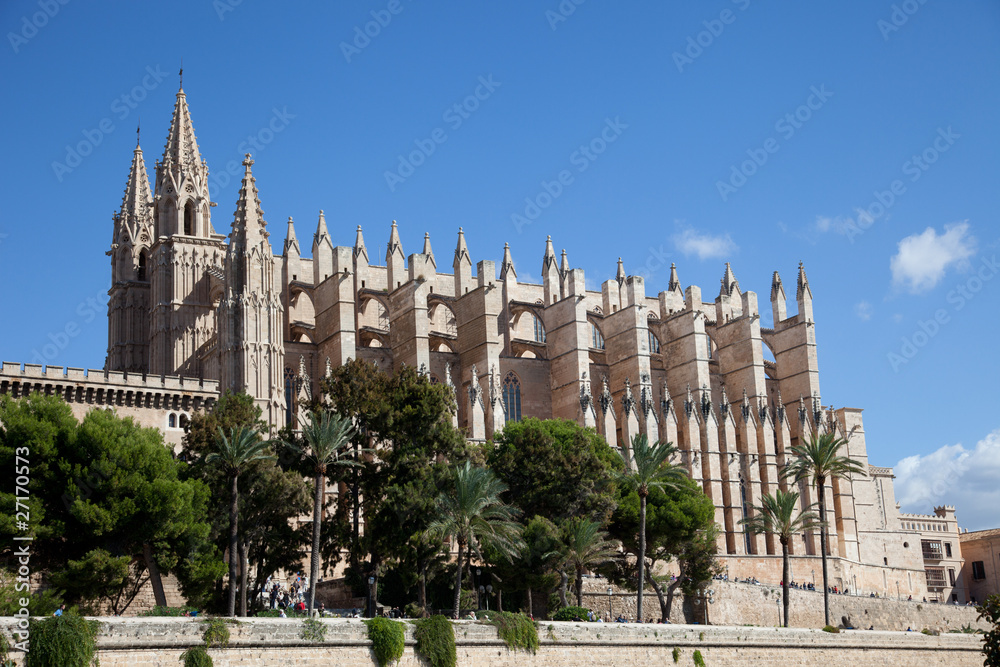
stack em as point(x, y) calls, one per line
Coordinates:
point(189, 218)
point(289, 395)
point(596, 339)
point(539, 329)
point(746, 513)
point(141, 276)
point(512, 397)
point(654, 343)
point(172, 421)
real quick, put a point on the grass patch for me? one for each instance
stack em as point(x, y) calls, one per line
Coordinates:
point(831, 628)
point(387, 638)
point(698, 660)
point(197, 656)
point(676, 654)
point(168, 611)
point(313, 630)
point(436, 641)
point(517, 630)
point(68, 641)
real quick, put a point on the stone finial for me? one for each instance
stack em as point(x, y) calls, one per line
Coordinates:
point(507, 265)
point(564, 264)
point(620, 272)
point(729, 283)
point(688, 402)
point(605, 395)
point(628, 402)
point(329, 368)
point(675, 284)
point(666, 403)
point(359, 245)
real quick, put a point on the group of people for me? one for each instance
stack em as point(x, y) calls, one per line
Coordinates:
point(290, 596)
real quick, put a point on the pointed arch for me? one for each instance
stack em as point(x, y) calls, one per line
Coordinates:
point(189, 218)
point(141, 267)
point(511, 393)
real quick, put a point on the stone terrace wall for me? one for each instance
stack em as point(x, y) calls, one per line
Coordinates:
point(158, 642)
point(748, 604)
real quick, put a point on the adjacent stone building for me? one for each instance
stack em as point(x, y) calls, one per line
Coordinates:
point(981, 572)
point(681, 365)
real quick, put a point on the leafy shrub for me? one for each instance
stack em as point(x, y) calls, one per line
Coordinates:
point(517, 630)
point(168, 611)
point(5, 659)
point(197, 656)
point(216, 633)
point(698, 660)
point(831, 628)
point(436, 641)
point(68, 641)
point(313, 630)
point(677, 654)
point(989, 610)
point(569, 613)
point(413, 610)
point(387, 638)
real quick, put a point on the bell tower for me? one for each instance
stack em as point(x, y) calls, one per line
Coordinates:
point(187, 257)
point(128, 298)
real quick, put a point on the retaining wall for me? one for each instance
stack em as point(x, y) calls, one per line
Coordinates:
point(158, 642)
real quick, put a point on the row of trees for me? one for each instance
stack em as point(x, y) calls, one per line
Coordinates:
point(545, 501)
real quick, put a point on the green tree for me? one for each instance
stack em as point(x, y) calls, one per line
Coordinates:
point(556, 469)
point(112, 512)
point(676, 518)
point(818, 460)
point(585, 546)
point(406, 420)
point(325, 436)
point(233, 454)
point(473, 513)
point(989, 610)
point(271, 498)
point(533, 569)
point(648, 466)
point(777, 515)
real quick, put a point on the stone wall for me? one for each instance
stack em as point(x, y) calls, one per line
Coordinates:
point(276, 642)
point(748, 604)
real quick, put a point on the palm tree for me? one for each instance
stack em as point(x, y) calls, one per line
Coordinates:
point(234, 453)
point(818, 460)
point(777, 516)
point(475, 516)
point(585, 546)
point(649, 467)
point(325, 435)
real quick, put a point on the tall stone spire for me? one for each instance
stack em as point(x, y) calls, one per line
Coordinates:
point(674, 285)
point(551, 283)
point(182, 146)
point(730, 285)
point(395, 260)
point(322, 251)
point(778, 301)
point(135, 215)
point(803, 284)
point(128, 298)
point(564, 263)
point(291, 242)
point(251, 340)
point(507, 265)
point(428, 250)
point(462, 266)
point(359, 245)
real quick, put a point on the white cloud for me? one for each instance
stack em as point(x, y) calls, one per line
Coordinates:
point(705, 246)
point(924, 258)
point(863, 310)
point(954, 475)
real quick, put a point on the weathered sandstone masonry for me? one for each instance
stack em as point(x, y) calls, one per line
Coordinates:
point(155, 642)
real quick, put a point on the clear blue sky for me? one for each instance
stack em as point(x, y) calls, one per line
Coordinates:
point(693, 91)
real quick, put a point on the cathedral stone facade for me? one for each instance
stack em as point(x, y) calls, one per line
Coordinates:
point(704, 374)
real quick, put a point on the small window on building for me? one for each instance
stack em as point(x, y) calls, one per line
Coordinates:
point(947, 549)
point(654, 343)
point(141, 274)
point(539, 330)
point(596, 339)
point(954, 597)
point(172, 421)
point(951, 576)
point(978, 570)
